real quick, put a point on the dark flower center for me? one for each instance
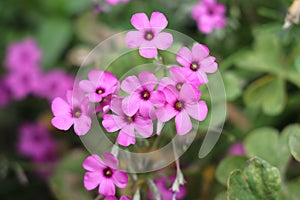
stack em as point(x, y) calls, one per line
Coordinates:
point(179, 86)
point(77, 112)
point(194, 66)
point(178, 105)
point(145, 95)
point(130, 119)
point(107, 172)
point(149, 35)
point(100, 91)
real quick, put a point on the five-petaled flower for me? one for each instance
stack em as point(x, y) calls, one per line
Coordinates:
point(148, 36)
point(104, 173)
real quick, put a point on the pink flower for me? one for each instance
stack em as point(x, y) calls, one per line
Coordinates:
point(22, 54)
point(115, 198)
point(104, 173)
point(182, 104)
point(198, 62)
point(142, 95)
point(126, 124)
point(209, 15)
point(73, 111)
point(55, 84)
point(237, 149)
point(163, 185)
point(115, 2)
point(104, 105)
point(148, 35)
point(99, 85)
point(35, 141)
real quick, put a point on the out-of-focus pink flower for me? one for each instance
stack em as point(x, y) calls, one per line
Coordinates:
point(115, 198)
point(35, 141)
point(209, 15)
point(104, 105)
point(4, 94)
point(163, 185)
point(126, 124)
point(237, 149)
point(197, 62)
point(104, 173)
point(23, 82)
point(74, 111)
point(182, 104)
point(22, 54)
point(115, 2)
point(148, 36)
point(55, 83)
point(99, 85)
point(142, 97)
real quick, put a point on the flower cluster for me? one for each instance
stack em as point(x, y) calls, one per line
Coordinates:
point(209, 15)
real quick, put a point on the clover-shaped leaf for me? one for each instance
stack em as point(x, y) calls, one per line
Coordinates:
point(294, 141)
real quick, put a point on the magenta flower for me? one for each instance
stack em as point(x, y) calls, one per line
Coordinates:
point(104, 173)
point(182, 104)
point(148, 36)
point(74, 111)
point(115, 2)
point(104, 105)
point(198, 62)
point(209, 15)
point(163, 185)
point(22, 54)
point(99, 85)
point(56, 83)
point(142, 97)
point(237, 149)
point(115, 198)
point(35, 141)
point(126, 124)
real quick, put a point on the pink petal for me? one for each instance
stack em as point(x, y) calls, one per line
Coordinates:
point(158, 21)
point(131, 104)
point(110, 198)
point(62, 122)
point(148, 80)
point(93, 163)
point(120, 178)
point(209, 65)
point(95, 75)
point(107, 187)
point(60, 107)
point(126, 136)
point(157, 98)
point(188, 93)
point(183, 123)
point(134, 39)
point(148, 50)
point(94, 97)
point(184, 57)
point(130, 84)
point(179, 74)
point(92, 180)
point(140, 21)
point(202, 77)
point(109, 123)
point(108, 80)
point(165, 113)
point(145, 108)
point(171, 94)
point(197, 110)
point(125, 198)
point(110, 160)
point(143, 126)
point(165, 82)
point(87, 86)
point(82, 125)
point(199, 52)
point(163, 41)
point(116, 106)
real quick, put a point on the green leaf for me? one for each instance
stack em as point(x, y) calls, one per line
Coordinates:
point(267, 93)
point(294, 141)
point(228, 165)
point(66, 7)
point(53, 37)
point(266, 143)
point(258, 181)
point(232, 85)
point(293, 192)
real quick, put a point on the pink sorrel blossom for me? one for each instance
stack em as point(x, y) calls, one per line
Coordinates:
point(115, 2)
point(197, 62)
point(209, 15)
point(126, 124)
point(23, 82)
point(115, 198)
point(148, 36)
point(104, 173)
point(74, 111)
point(182, 104)
point(99, 85)
point(22, 54)
point(35, 141)
point(163, 185)
point(55, 84)
point(104, 105)
point(142, 95)
point(237, 149)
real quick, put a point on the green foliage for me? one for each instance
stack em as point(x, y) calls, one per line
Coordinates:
point(294, 141)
